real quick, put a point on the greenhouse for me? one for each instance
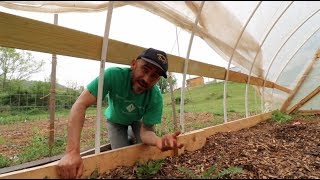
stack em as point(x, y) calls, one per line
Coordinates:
point(270, 53)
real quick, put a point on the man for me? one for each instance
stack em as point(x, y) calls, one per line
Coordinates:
point(133, 100)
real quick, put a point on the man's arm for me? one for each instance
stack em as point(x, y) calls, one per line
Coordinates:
point(71, 165)
point(76, 120)
point(164, 143)
point(147, 135)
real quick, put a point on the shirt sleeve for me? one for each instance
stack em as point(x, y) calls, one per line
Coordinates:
point(153, 112)
point(94, 84)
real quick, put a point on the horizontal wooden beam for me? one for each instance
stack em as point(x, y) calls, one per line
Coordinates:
point(109, 160)
point(308, 112)
point(28, 34)
point(243, 78)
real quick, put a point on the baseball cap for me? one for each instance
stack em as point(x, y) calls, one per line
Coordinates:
point(157, 58)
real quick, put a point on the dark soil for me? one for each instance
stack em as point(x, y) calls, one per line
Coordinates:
point(266, 151)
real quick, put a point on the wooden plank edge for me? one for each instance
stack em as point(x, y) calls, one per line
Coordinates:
point(308, 112)
point(85, 152)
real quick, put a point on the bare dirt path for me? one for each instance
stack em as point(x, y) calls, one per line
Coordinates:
point(16, 137)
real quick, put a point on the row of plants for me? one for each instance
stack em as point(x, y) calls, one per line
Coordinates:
point(38, 149)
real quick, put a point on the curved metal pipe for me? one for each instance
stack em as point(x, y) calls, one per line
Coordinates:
point(255, 58)
point(230, 60)
point(185, 70)
point(294, 55)
point(272, 61)
point(101, 76)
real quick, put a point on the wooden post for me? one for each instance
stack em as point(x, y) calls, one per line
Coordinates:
point(173, 104)
point(52, 94)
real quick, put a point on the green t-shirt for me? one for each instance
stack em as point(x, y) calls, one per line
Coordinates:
point(124, 106)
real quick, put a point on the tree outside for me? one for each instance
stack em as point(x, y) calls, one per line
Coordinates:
point(164, 85)
point(15, 65)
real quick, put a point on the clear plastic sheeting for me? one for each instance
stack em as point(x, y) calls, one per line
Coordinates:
point(279, 43)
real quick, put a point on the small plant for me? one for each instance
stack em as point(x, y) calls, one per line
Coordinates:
point(178, 100)
point(95, 174)
point(227, 172)
point(221, 96)
point(2, 140)
point(206, 174)
point(4, 162)
point(149, 169)
point(40, 148)
point(280, 117)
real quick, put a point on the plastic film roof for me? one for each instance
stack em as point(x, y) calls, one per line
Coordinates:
point(277, 41)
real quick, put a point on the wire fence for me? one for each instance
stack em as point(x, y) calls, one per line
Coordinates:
point(28, 101)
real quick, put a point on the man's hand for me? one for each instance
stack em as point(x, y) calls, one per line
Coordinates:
point(169, 142)
point(70, 166)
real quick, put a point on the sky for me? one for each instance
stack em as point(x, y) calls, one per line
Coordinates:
point(129, 24)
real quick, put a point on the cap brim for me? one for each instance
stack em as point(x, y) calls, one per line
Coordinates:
point(152, 62)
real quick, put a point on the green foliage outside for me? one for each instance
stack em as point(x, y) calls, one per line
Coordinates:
point(2, 140)
point(17, 65)
point(208, 99)
point(29, 100)
point(4, 161)
point(37, 150)
point(280, 117)
point(164, 85)
point(148, 169)
point(35, 94)
point(225, 173)
point(40, 149)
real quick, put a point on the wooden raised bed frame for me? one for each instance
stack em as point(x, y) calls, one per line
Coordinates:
point(128, 156)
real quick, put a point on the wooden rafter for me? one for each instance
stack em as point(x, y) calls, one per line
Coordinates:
point(23, 33)
point(304, 100)
point(298, 86)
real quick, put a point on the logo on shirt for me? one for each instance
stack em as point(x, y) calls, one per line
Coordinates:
point(131, 108)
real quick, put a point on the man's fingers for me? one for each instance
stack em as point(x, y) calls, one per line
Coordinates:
point(180, 146)
point(63, 173)
point(175, 134)
point(79, 171)
point(58, 170)
point(174, 143)
point(165, 143)
point(72, 173)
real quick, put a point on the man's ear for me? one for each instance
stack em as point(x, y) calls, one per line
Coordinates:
point(133, 64)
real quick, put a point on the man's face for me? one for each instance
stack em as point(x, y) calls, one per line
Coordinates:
point(144, 75)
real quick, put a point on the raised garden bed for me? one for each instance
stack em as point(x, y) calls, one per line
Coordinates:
point(268, 150)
